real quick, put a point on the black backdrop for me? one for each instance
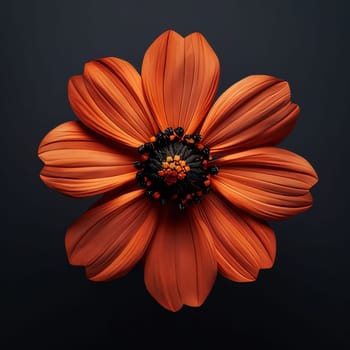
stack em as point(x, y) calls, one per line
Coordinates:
point(300, 303)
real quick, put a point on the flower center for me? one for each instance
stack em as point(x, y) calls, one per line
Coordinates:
point(173, 169)
point(175, 166)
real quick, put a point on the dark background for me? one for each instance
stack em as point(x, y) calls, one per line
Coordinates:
point(301, 303)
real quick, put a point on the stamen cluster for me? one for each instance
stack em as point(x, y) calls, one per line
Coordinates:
point(175, 166)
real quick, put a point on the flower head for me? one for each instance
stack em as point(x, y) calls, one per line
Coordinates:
point(187, 183)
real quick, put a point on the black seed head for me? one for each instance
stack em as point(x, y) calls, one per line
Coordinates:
point(197, 137)
point(181, 206)
point(161, 139)
point(207, 190)
point(206, 152)
point(138, 165)
point(156, 178)
point(149, 146)
point(179, 131)
point(139, 176)
point(213, 170)
point(169, 131)
point(142, 149)
point(149, 193)
point(196, 199)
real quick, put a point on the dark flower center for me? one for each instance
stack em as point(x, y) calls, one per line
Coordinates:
point(175, 166)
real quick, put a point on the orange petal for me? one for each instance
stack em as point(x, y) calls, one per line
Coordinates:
point(269, 182)
point(180, 78)
point(108, 98)
point(111, 237)
point(254, 112)
point(180, 267)
point(243, 245)
point(79, 164)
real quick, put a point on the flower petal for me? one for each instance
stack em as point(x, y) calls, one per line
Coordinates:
point(180, 267)
point(180, 78)
point(269, 182)
point(79, 164)
point(243, 244)
point(108, 98)
point(111, 237)
point(254, 112)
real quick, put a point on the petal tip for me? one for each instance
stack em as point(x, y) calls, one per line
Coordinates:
point(196, 34)
point(90, 66)
point(39, 150)
point(70, 245)
point(94, 278)
point(73, 79)
point(73, 82)
point(314, 175)
point(169, 33)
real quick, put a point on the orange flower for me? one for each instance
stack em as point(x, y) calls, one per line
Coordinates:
point(188, 184)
